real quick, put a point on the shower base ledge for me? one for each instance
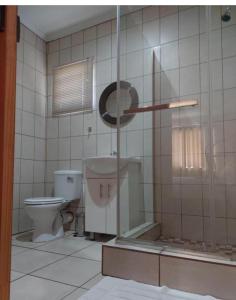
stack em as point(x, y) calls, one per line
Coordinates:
point(186, 271)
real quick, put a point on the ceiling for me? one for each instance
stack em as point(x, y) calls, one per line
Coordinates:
point(52, 22)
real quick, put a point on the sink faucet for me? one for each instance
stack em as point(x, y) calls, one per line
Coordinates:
point(113, 153)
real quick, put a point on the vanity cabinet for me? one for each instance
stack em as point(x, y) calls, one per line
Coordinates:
point(100, 205)
point(101, 200)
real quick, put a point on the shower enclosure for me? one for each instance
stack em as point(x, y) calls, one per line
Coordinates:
point(182, 63)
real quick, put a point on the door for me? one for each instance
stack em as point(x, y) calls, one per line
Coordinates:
point(7, 130)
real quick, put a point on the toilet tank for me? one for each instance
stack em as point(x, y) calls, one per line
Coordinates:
point(68, 184)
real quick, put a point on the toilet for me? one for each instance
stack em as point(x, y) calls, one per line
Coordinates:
point(46, 212)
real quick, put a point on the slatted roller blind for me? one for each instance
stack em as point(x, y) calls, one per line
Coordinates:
point(73, 88)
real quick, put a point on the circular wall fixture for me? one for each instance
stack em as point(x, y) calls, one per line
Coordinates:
point(108, 103)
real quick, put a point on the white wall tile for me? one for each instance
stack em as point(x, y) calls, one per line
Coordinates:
point(192, 228)
point(90, 49)
point(77, 38)
point(189, 80)
point(27, 147)
point(90, 145)
point(28, 100)
point(104, 29)
point(29, 55)
point(77, 125)
point(104, 144)
point(64, 148)
point(39, 171)
point(77, 147)
point(90, 34)
point(28, 79)
point(27, 170)
point(65, 42)
point(168, 10)
point(169, 28)
point(134, 64)
point(151, 34)
point(134, 38)
point(150, 13)
point(64, 126)
point(65, 56)
point(229, 104)
point(189, 22)
point(104, 48)
point(52, 149)
point(27, 123)
point(170, 56)
point(134, 144)
point(169, 84)
point(171, 199)
point(40, 127)
point(52, 128)
point(189, 51)
point(53, 46)
point(77, 53)
point(103, 72)
point(134, 18)
point(229, 72)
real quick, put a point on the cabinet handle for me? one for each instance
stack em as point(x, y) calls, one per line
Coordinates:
point(100, 191)
point(109, 188)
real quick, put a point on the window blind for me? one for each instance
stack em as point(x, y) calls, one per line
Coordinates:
point(188, 149)
point(73, 88)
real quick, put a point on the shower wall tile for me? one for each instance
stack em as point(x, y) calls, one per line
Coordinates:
point(169, 28)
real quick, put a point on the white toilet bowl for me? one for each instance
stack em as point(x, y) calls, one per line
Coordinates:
point(45, 213)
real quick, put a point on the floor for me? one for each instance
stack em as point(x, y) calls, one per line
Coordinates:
point(61, 269)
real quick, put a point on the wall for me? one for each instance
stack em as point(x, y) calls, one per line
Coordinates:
point(177, 37)
point(30, 125)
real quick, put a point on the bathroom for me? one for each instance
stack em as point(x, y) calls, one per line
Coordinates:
point(153, 172)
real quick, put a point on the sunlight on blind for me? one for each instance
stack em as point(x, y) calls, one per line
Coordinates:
point(187, 149)
point(73, 88)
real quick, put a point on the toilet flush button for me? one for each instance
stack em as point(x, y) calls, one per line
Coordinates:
point(70, 179)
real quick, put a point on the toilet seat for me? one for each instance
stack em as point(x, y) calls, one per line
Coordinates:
point(44, 201)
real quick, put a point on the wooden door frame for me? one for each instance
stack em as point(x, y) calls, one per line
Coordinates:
point(7, 133)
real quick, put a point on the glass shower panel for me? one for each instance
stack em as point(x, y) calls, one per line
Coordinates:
point(222, 68)
point(137, 50)
point(183, 188)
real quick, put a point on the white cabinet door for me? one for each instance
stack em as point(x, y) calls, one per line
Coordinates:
point(95, 206)
point(111, 209)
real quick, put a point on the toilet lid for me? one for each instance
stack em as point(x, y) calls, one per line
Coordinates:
point(44, 200)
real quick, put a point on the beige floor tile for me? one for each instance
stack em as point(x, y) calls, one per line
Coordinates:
point(76, 294)
point(31, 260)
point(33, 288)
point(16, 275)
point(92, 282)
point(66, 245)
point(16, 250)
point(71, 270)
point(92, 252)
point(25, 240)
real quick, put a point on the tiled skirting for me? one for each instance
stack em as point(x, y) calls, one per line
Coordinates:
point(183, 272)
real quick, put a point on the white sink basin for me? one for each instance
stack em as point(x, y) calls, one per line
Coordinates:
point(105, 164)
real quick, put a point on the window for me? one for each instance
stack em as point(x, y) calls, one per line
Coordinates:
point(187, 150)
point(73, 88)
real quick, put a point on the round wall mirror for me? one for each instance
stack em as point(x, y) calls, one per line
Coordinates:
point(108, 102)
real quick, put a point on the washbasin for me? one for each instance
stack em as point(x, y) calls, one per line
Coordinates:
point(105, 164)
